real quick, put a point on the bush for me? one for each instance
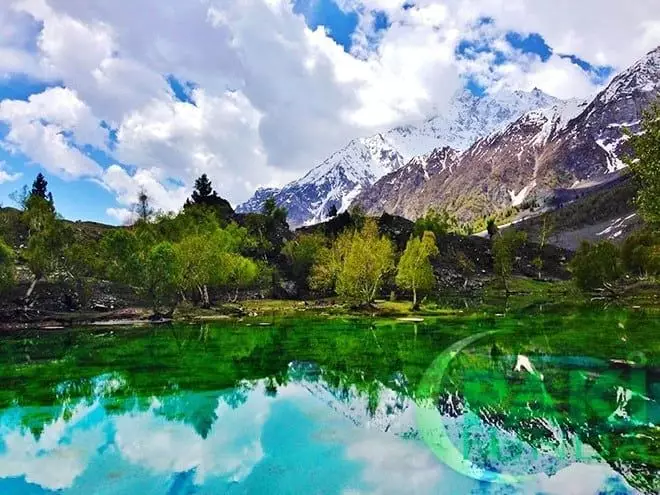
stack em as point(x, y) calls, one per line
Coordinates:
point(6, 266)
point(596, 264)
point(640, 253)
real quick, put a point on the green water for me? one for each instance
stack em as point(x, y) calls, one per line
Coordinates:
point(336, 406)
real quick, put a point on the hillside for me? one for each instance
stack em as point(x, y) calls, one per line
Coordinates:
point(602, 213)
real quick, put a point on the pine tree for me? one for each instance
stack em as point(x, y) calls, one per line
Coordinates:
point(332, 211)
point(40, 187)
point(204, 193)
point(205, 196)
point(40, 192)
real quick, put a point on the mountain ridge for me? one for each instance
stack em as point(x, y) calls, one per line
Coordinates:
point(567, 145)
point(347, 172)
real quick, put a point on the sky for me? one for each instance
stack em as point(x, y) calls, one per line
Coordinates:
point(107, 98)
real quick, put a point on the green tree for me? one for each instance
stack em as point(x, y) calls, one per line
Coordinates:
point(415, 271)
point(79, 262)
point(269, 231)
point(162, 276)
point(545, 232)
point(301, 253)
point(143, 209)
point(201, 264)
point(206, 197)
point(596, 264)
point(645, 165)
point(505, 246)
point(214, 260)
point(123, 254)
point(439, 222)
point(640, 253)
point(40, 190)
point(356, 265)
point(45, 235)
point(466, 267)
point(7, 276)
point(240, 272)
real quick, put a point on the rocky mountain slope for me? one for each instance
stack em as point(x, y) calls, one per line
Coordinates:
point(343, 175)
point(569, 145)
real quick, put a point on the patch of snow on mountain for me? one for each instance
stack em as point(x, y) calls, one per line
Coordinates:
point(642, 76)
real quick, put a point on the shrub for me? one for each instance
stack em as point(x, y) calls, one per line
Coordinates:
point(596, 264)
point(640, 253)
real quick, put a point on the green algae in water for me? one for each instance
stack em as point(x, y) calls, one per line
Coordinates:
point(331, 406)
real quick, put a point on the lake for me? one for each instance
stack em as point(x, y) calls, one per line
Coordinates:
point(536, 403)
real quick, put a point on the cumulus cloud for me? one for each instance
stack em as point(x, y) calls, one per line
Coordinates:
point(270, 97)
point(44, 128)
point(6, 176)
point(127, 187)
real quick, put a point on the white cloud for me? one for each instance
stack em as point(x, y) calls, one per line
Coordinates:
point(124, 216)
point(6, 176)
point(43, 128)
point(127, 187)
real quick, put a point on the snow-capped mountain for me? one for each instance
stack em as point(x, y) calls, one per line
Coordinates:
point(567, 145)
point(392, 192)
point(342, 176)
point(466, 119)
point(336, 181)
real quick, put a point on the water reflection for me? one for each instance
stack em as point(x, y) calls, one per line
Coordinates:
point(303, 436)
point(331, 406)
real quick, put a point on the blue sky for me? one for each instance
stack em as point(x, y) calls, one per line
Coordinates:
point(85, 198)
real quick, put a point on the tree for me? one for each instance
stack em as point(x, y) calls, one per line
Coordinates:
point(143, 209)
point(332, 211)
point(545, 231)
point(123, 253)
point(206, 197)
point(356, 265)
point(439, 222)
point(491, 228)
point(269, 230)
point(162, 276)
point(505, 246)
point(645, 165)
point(201, 264)
point(596, 264)
point(415, 271)
point(45, 238)
point(272, 211)
point(79, 262)
point(640, 253)
point(40, 190)
point(240, 272)
point(6, 266)
point(213, 260)
point(301, 254)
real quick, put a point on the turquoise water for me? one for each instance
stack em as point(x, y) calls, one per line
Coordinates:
point(326, 407)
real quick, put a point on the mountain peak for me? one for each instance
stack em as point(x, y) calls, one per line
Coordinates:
point(338, 179)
